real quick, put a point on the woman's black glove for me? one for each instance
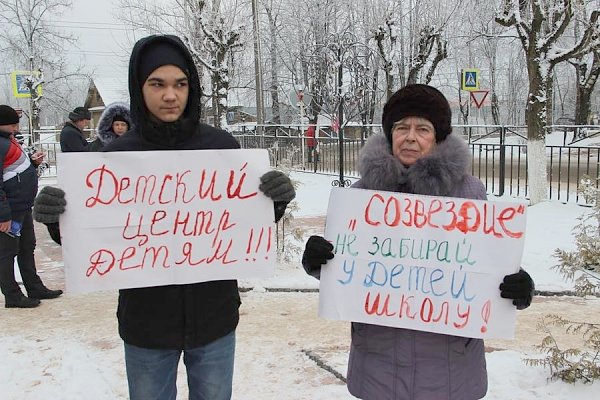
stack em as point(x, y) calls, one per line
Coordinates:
point(49, 204)
point(519, 287)
point(316, 253)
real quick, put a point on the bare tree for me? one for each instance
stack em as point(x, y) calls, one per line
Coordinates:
point(28, 39)
point(368, 92)
point(272, 10)
point(587, 70)
point(316, 72)
point(540, 25)
point(308, 58)
point(210, 37)
point(485, 30)
point(219, 42)
point(411, 42)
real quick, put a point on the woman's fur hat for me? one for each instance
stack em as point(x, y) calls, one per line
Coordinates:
point(418, 100)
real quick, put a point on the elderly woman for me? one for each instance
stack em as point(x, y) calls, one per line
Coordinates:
point(416, 154)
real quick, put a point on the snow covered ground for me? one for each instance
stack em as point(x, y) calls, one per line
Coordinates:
point(69, 348)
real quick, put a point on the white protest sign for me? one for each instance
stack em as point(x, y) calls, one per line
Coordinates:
point(420, 262)
point(150, 218)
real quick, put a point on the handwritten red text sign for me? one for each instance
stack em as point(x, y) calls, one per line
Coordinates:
point(138, 219)
point(420, 262)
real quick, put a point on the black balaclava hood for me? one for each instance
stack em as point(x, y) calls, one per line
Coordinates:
point(158, 50)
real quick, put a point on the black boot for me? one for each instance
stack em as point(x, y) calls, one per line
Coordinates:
point(21, 302)
point(44, 293)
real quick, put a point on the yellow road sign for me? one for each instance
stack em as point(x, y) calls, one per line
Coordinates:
point(20, 88)
point(470, 79)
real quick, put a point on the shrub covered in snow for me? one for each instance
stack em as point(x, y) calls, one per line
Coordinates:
point(581, 265)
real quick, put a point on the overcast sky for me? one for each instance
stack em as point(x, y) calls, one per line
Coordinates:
point(104, 41)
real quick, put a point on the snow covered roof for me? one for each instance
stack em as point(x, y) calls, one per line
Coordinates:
point(112, 89)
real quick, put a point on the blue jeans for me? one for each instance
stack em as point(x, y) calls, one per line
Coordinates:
point(152, 373)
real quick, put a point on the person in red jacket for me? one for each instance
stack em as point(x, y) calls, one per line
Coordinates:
point(311, 140)
point(18, 189)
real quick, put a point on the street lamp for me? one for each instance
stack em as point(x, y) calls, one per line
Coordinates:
point(340, 121)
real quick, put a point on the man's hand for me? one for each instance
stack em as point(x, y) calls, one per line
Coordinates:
point(5, 226)
point(38, 157)
point(49, 204)
point(277, 186)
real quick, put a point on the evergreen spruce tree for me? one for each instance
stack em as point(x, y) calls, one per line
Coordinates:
point(583, 267)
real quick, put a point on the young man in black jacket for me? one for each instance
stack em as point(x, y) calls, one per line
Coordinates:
point(17, 237)
point(199, 320)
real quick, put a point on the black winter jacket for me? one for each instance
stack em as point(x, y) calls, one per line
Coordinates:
point(178, 316)
point(71, 139)
point(174, 316)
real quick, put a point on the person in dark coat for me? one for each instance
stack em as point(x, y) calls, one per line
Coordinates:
point(18, 189)
point(160, 323)
point(113, 123)
point(416, 154)
point(72, 137)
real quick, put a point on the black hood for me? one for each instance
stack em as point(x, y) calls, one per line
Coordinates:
point(166, 135)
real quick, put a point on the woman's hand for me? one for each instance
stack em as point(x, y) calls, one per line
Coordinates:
point(519, 287)
point(316, 253)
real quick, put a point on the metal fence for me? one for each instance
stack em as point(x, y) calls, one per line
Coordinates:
point(499, 154)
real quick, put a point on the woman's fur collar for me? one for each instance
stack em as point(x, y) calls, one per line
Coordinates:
point(435, 174)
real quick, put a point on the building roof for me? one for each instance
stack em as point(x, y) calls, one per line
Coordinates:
point(110, 89)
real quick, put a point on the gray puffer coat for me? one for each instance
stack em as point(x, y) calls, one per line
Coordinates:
point(401, 364)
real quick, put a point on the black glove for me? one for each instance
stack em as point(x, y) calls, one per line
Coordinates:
point(519, 287)
point(316, 253)
point(49, 204)
point(277, 186)
point(54, 231)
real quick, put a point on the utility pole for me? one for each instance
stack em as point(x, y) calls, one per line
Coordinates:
point(33, 82)
point(260, 115)
point(340, 117)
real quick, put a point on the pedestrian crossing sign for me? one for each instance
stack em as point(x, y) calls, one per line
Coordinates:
point(470, 79)
point(20, 83)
